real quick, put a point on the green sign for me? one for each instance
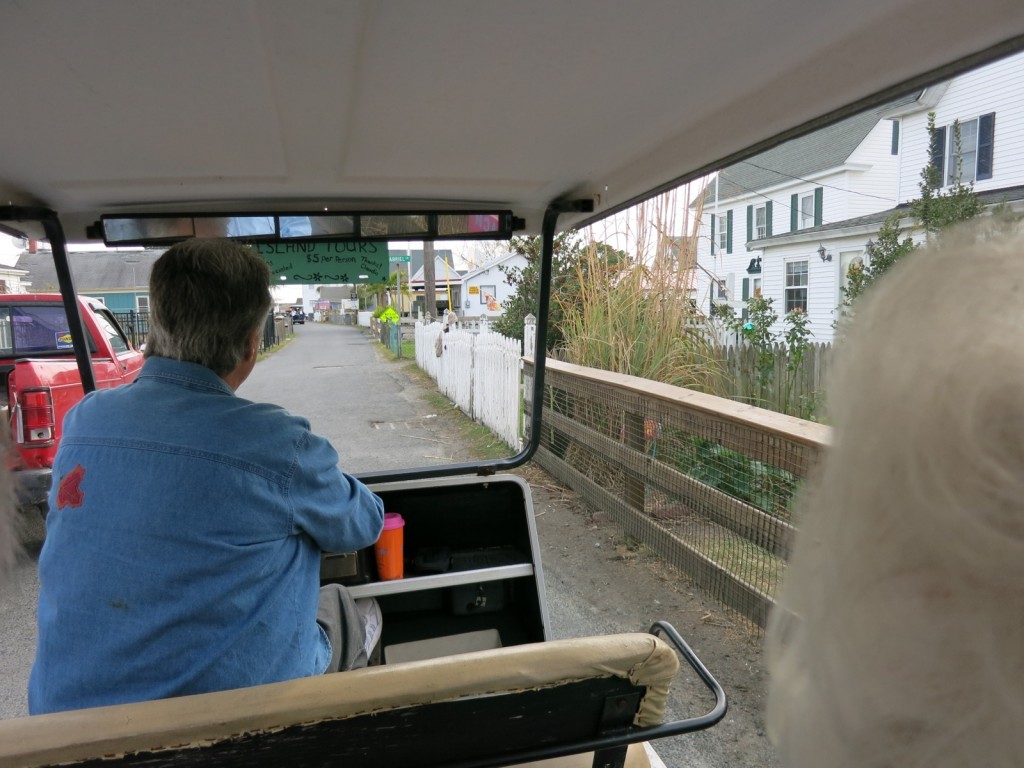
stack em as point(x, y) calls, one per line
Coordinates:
point(397, 258)
point(320, 263)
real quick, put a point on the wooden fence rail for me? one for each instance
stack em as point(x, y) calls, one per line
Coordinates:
point(704, 482)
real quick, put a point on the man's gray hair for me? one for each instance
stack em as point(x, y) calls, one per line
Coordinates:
point(206, 298)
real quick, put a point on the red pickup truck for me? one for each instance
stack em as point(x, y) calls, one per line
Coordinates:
point(39, 378)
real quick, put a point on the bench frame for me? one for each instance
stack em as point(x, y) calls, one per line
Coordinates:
point(491, 708)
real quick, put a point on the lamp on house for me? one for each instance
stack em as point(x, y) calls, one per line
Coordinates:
point(825, 255)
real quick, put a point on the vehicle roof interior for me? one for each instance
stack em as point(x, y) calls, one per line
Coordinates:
point(119, 105)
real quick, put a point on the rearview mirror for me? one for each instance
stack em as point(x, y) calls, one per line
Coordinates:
point(167, 228)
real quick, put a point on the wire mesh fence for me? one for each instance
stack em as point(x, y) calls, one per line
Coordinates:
point(706, 483)
point(135, 326)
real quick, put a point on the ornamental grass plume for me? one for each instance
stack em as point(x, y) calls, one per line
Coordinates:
point(631, 311)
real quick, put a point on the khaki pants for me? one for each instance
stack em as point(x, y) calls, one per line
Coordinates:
point(340, 619)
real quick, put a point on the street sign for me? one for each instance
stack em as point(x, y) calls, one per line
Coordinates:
point(396, 258)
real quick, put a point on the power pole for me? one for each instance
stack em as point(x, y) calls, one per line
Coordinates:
point(429, 283)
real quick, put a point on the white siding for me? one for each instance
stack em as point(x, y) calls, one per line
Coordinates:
point(873, 189)
point(489, 277)
point(823, 281)
point(998, 88)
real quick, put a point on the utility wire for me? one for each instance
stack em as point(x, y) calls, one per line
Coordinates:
point(800, 178)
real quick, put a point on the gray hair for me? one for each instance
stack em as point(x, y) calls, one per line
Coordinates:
point(898, 639)
point(207, 297)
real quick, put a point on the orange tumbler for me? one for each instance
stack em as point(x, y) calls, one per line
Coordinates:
point(390, 549)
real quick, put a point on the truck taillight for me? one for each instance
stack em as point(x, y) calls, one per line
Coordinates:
point(36, 411)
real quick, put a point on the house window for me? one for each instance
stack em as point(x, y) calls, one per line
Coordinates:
point(970, 159)
point(967, 167)
point(721, 232)
point(142, 303)
point(796, 286)
point(755, 287)
point(760, 222)
point(806, 211)
point(721, 290)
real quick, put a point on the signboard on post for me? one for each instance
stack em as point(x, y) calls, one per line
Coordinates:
point(399, 258)
point(326, 263)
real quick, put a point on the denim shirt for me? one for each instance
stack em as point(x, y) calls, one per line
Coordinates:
point(183, 543)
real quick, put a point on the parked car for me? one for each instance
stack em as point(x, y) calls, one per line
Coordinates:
point(40, 381)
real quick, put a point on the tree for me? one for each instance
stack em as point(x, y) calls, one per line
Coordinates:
point(429, 283)
point(525, 282)
point(379, 291)
point(935, 211)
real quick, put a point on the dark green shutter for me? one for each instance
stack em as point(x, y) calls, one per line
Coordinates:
point(794, 203)
point(894, 148)
point(713, 217)
point(750, 223)
point(819, 199)
point(937, 151)
point(768, 219)
point(746, 288)
point(728, 232)
point(986, 142)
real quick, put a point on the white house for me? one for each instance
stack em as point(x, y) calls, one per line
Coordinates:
point(789, 222)
point(485, 288)
point(11, 276)
point(844, 171)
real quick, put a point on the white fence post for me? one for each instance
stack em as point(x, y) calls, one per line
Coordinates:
point(529, 336)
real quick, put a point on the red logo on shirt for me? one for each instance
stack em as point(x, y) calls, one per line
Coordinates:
point(70, 493)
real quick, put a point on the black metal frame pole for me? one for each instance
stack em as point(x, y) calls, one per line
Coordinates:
point(55, 235)
point(548, 229)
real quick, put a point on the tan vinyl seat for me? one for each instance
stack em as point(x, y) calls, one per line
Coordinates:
point(365, 717)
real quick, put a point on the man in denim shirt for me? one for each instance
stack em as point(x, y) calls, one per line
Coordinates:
point(183, 543)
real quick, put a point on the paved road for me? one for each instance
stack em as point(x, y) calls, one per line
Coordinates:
point(332, 375)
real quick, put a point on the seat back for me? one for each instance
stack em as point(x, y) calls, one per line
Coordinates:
point(495, 707)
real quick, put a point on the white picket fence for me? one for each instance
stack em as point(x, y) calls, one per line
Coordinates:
point(481, 372)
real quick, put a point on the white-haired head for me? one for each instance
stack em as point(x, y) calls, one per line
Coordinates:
point(899, 635)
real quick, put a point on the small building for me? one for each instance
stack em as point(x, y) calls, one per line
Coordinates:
point(119, 278)
point(487, 289)
point(447, 286)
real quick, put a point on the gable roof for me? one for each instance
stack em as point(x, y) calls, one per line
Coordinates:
point(494, 263)
point(819, 151)
point(444, 273)
point(91, 270)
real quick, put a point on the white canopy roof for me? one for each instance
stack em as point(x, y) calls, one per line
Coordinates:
point(254, 104)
